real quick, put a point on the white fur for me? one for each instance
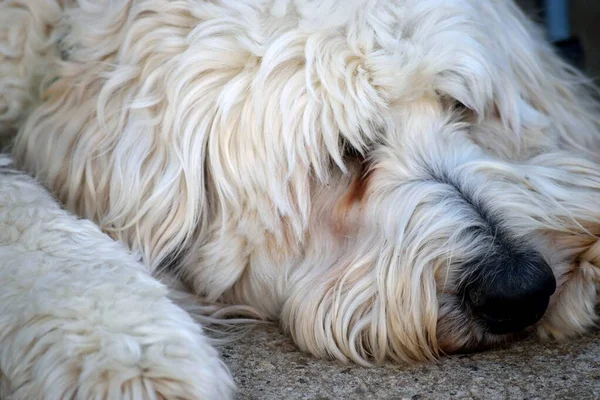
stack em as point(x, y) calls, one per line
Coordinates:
point(80, 318)
point(309, 161)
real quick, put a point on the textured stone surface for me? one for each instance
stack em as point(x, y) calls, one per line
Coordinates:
point(267, 365)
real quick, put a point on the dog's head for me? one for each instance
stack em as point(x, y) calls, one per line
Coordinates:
point(445, 246)
point(473, 214)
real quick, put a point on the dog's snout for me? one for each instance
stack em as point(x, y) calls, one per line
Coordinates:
point(513, 297)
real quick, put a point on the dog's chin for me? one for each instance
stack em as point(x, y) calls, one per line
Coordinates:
point(479, 340)
point(458, 332)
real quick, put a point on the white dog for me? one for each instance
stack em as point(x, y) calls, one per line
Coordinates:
point(388, 179)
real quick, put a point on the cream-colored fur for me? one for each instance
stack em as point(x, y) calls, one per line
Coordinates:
point(80, 318)
point(311, 160)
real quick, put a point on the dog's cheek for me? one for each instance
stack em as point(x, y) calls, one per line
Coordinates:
point(573, 309)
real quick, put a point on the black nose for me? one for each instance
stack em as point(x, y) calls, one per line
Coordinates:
point(508, 298)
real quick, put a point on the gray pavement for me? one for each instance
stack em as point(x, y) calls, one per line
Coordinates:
point(267, 365)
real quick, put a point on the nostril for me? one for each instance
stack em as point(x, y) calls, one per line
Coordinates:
point(514, 298)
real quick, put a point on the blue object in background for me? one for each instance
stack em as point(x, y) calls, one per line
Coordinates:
point(557, 20)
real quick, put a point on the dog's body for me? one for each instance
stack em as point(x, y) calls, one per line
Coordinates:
point(388, 179)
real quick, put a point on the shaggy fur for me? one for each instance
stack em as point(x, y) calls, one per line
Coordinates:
point(80, 318)
point(343, 167)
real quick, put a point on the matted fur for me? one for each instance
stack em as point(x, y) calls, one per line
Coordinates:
point(331, 165)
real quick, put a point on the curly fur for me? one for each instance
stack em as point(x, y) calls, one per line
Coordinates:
point(331, 165)
point(67, 332)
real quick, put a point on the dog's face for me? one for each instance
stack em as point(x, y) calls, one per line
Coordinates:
point(465, 249)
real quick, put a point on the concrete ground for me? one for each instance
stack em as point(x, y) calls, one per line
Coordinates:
point(267, 365)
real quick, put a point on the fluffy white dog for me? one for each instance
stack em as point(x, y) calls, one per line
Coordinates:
point(388, 179)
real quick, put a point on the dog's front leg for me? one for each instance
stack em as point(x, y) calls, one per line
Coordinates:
point(80, 318)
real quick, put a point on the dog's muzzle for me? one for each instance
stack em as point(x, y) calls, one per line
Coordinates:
point(510, 292)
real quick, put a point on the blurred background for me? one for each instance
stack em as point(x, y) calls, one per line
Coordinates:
point(574, 28)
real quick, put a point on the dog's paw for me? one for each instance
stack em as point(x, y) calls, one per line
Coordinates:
point(85, 329)
point(160, 359)
point(81, 319)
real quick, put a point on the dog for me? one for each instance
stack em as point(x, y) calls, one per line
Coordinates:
point(389, 180)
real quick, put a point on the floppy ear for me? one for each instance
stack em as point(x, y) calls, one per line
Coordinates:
point(162, 115)
point(101, 137)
